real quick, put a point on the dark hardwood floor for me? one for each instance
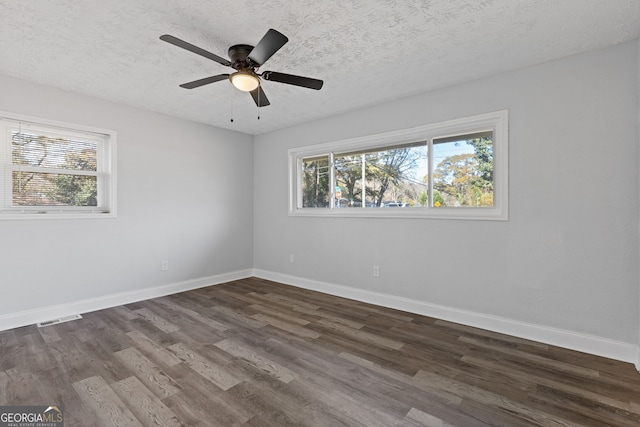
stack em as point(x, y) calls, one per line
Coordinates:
point(258, 353)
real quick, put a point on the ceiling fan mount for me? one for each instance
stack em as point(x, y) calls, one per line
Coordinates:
point(238, 53)
point(246, 59)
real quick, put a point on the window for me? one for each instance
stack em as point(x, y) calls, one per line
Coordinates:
point(55, 170)
point(456, 169)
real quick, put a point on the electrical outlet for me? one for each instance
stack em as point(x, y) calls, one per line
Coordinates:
point(164, 266)
point(376, 271)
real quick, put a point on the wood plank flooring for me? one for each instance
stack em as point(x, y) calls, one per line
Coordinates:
point(258, 353)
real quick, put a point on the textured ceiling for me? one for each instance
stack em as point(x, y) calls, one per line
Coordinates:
point(366, 51)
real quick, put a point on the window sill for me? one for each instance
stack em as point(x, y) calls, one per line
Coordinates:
point(470, 213)
point(7, 215)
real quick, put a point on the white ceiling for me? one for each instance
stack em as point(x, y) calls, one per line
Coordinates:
point(366, 51)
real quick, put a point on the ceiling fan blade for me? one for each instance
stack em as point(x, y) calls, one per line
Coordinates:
point(259, 97)
point(293, 80)
point(267, 46)
point(195, 49)
point(197, 83)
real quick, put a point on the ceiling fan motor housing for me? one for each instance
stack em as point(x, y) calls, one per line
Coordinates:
point(238, 54)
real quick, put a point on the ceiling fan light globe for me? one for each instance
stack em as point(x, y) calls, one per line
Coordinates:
point(244, 81)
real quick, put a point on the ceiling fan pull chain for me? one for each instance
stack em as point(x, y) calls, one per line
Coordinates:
point(231, 107)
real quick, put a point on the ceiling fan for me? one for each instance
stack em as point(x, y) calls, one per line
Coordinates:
point(246, 60)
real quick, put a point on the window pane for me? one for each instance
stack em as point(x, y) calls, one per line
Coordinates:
point(50, 189)
point(463, 175)
point(42, 151)
point(315, 182)
point(350, 174)
point(397, 177)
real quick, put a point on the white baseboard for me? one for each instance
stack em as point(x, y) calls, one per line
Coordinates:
point(604, 347)
point(29, 317)
point(559, 337)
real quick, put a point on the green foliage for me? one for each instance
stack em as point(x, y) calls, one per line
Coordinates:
point(424, 199)
point(315, 183)
point(437, 199)
point(349, 176)
point(483, 148)
point(75, 190)
point(466, 179)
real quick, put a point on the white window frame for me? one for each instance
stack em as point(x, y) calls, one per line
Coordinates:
point(106, 168)
point(497, 122)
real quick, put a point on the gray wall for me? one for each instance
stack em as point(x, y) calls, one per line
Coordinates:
point(568, 256)
point(184, 193)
